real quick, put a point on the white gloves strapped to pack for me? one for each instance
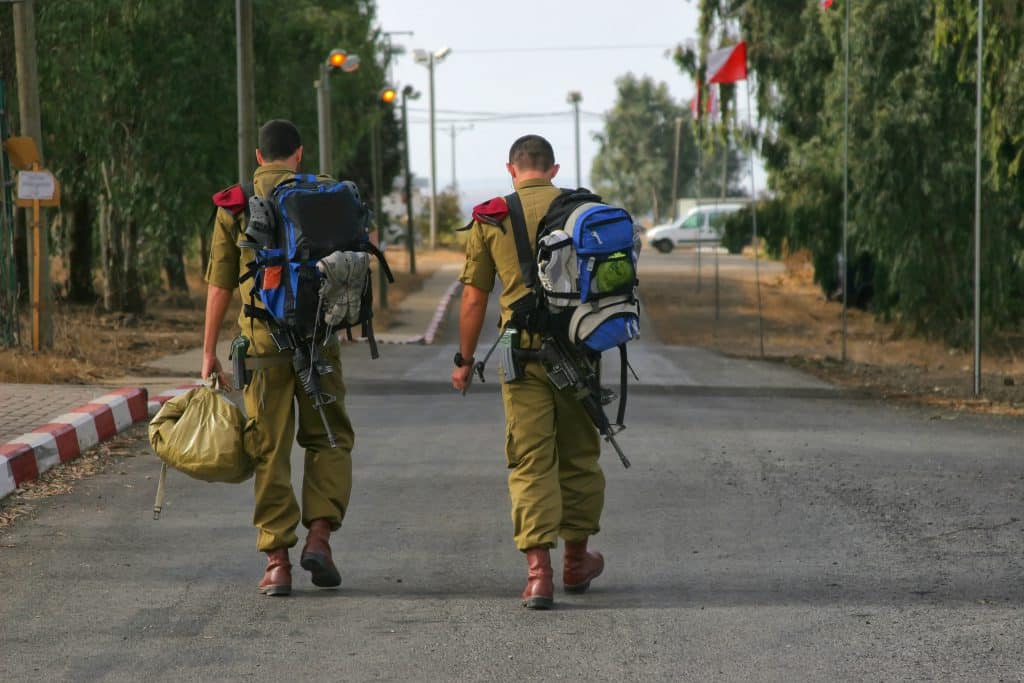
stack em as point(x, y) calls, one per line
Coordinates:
point(341, 291)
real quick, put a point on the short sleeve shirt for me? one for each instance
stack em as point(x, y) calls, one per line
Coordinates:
point(491, 250)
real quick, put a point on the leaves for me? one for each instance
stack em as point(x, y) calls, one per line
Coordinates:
point(911, 162)
point(633, 168)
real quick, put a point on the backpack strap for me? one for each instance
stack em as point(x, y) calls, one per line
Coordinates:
point(372, 250)
point(371, 339)
point(521, 234)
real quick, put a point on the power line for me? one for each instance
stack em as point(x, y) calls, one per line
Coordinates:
point(496, 114)
point(569, 48)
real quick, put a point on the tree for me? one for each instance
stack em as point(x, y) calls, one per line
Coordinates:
point(634, 164)
point(449, 216)
point(911, 147)
point(141, 137)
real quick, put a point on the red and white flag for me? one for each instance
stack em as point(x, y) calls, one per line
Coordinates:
point(711, 107)
point(728, 65)
point(825, 4)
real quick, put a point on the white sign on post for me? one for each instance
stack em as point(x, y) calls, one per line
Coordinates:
point(36, 185)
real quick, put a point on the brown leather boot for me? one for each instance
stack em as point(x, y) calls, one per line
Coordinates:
point(540, 590)
point(277, 579)
point(316, 555)
point(580, 566)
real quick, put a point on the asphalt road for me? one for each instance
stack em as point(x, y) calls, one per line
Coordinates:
point(770, 529)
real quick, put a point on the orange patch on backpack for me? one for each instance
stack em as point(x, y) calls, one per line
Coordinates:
point(272, 277)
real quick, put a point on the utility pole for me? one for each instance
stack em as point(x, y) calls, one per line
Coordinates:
point(454, 130)
point(323, 119)
point(246, 90)
point(28, 108)
point(408, 93)
point(429, 60)
point(433, 160)
point(378, 190)
point(575, 97)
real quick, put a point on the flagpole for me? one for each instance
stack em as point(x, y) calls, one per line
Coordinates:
point(724, 190)
point(977, 207)
point(846, 174)
point(753, 215)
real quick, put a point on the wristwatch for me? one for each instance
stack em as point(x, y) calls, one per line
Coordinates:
point(460, 361)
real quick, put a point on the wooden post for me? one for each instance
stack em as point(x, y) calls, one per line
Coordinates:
point(28, 107)
point(37, 269)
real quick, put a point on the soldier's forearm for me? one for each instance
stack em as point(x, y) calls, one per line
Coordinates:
point(471, 318)
point(217, 302)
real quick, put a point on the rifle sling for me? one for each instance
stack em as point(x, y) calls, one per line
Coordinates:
point(524, 250)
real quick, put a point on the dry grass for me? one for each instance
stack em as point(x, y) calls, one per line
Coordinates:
point(90, 345)
point(803, 329)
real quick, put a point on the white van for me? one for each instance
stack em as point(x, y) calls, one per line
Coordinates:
point(701, 225)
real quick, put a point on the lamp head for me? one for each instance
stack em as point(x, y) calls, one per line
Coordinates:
point(336, 59)
point(351, 64)
point(420, 56)
point(442, 53)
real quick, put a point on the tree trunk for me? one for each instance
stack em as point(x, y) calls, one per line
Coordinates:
point(21, 254)
point(174, 266)
point(134, 302)
point(80, 285)
point(110, 242)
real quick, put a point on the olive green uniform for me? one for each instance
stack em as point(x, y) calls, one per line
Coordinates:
point(552, 447)
point(270, 398)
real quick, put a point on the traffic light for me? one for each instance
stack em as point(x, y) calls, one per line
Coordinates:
point(388, 95)
point(336, 59)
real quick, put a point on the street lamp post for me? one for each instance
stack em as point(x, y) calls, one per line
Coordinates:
point(428, 59)
point(408, 93)
point(337, 59)
point(575, 97)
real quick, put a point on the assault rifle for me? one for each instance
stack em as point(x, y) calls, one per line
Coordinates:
point(571, 370)
point(309, 366)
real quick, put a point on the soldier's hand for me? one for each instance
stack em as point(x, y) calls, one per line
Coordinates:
point(461, 377)
point(210, 365)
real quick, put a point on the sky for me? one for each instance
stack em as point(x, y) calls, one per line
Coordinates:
point(511, 58)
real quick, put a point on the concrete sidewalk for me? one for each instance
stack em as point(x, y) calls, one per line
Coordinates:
point(42, 424)
point(416, 320)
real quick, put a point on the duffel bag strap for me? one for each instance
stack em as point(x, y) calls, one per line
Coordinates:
point(161, 493)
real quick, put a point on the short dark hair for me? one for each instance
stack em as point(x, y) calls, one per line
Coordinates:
point(279, 139)
point(532, 152)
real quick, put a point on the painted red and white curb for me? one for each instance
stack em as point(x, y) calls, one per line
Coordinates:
point(440, 313)
point(67, 436)
point(430, 333)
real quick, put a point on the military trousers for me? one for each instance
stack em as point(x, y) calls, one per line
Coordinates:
point(552, 448)
point(271, 398)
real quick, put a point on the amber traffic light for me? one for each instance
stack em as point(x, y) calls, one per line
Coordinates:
point(388, 95)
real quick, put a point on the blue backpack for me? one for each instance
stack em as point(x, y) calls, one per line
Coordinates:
point(583, 272)
point(306, 219)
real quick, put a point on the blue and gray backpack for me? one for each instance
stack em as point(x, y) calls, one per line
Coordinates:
point(305, 223)
point(583, 272)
